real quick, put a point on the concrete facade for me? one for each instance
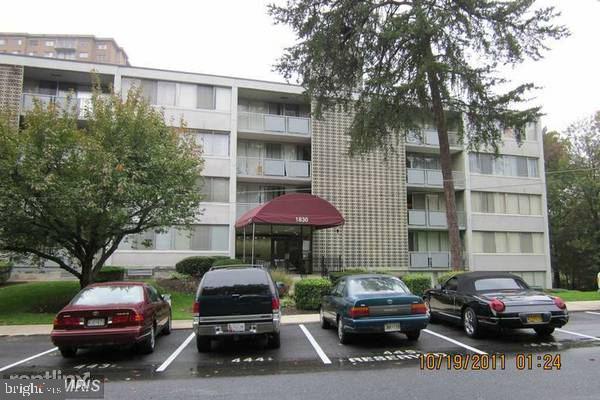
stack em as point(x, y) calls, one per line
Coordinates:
point(260, 141)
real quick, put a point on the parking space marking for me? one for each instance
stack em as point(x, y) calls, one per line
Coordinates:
point(315, 345)
point(28, 359)
point(578, 334)
point(456, 342)
point(593, 312)
point(172, 357)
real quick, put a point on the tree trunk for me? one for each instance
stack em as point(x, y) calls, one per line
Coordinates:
point(87, 275)
point(446, 164)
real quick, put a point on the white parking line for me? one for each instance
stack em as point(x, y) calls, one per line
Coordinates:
point(315, 345)
point(456, 342)
point(28, 359)
point(172, 357)
point(592, 312)
point(578, 334)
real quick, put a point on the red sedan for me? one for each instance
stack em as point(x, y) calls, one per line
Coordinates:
point(112, 313)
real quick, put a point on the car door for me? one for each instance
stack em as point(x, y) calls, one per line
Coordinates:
point(443, 300)
point(157, 306)
point(331, 301)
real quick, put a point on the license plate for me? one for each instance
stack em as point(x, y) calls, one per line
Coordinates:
point(534, 319)
point(236, 327)
point(392, 327)
point(96, 322)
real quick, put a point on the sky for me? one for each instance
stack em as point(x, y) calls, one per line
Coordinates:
point(238, 38)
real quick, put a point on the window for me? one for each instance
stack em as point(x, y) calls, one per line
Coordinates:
point(121, 294)
point(102, 46)
point(50, 43)
point(504, 165)
point(2, 42)
point(213, 143)
point(83, 55)
point(451, 284)
point(507, 203)
point(200, 237)
point(33, 43)
point(165, 93)
point(215, 189)
point(100, 58)
point(499, 284)
point(526, 240)
point(508, 242)
point(153, 295)
point(187, 96)
point(19, 42)
point(251, 281)
point(206, 97)
point(489, 242)
point(376, 285)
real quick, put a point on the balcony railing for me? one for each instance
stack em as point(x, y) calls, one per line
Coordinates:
point(429, 137)
point(255, 166)
point(429, 259)
point(432, 177)
point(271, 123)
point(75, 105)
point(432, 219)
point(66, 44)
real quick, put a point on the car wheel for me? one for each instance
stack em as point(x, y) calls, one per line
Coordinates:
point(274, 340)
point(68, 352)
point(544, 330)
point(343, 336)
point(203, 344)
point(413, 335)
point(470, 324)
point(147, 345)
point(168, 326)
point(324, 323)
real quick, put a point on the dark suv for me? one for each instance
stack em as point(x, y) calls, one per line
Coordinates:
point(240, 300)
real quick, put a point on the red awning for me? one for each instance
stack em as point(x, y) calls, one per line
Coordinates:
point(294, 209)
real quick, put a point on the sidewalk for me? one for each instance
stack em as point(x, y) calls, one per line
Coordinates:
point(18, 330)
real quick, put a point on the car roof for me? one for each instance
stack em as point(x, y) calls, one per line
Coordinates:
point(117, 283)
point(361, 276)
point(486, 274)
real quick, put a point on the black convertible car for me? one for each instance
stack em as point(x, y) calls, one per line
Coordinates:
point(494, 300)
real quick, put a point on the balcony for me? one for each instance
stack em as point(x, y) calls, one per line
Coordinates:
point(272, 169)
point(278, 125)
point(77, 106)
point(429, 260)
point(418, 177)
point(432, 219)
point(66, 45)
point(428, 140)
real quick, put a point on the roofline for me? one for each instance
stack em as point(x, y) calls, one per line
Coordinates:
point(126, 70)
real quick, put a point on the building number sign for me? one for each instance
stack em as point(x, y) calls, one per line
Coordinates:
point(302, 220)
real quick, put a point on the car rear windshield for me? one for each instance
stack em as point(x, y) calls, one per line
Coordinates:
point(236, 281)
point(96, 296)
point(376, 285)
point(499, 284)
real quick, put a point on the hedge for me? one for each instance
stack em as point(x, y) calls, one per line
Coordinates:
point(5, 270)
point(197, 266)
point(417, 283)
point(447, 275)
point(227, 261)
point(110, 274)
point(309, 292)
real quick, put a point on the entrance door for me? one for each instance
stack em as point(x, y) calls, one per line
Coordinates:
point(287, 253)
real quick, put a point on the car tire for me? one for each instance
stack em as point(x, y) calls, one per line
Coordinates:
point(68, 352)
point(544, 331)
point(168, 326)
point(274, 340)
point(146, 346)
point(324, 323)
point(413, 335)
point(343, 336)
point(203, 344)
point(470, 323)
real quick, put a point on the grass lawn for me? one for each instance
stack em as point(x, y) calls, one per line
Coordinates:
point(38, 302)
point(574, 295)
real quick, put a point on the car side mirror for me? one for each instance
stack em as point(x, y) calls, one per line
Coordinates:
point(166, 298)
point(282, 288)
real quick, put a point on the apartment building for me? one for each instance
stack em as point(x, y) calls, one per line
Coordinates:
point(86, 48)
point(260, 142)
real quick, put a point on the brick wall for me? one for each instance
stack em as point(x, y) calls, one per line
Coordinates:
point(11, 90)
point(370, 192)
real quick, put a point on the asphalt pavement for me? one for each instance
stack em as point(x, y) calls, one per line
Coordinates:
point(312, 364)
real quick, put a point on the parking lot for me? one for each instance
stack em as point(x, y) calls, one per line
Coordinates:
point(305, 348)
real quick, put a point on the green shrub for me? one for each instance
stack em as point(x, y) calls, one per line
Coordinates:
point(308, 292)
point(336, 276)
point(227, 261)
point(417, 283)
point(447, 275)
point(110, 274)
point(5, 271)
point(197, 266)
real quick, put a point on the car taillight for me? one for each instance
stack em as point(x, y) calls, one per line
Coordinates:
point(560, 303)
point(120, 318)
point(497, 305)
point(136, 317)
point(196, 308)
point(359, 312)
point(67, 321)
point(418, 308)
point(275, 304)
